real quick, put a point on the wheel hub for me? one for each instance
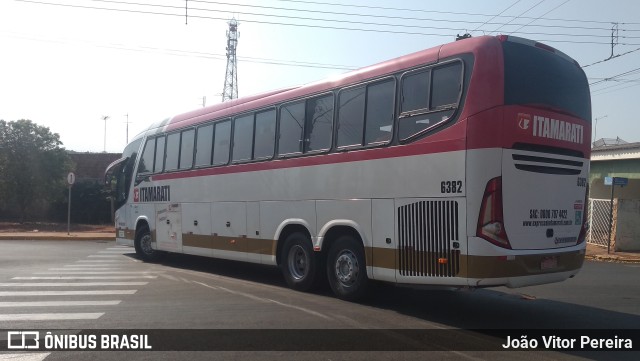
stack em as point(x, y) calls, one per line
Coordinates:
point(145, 244)
point(298, 262)
point(347, 268)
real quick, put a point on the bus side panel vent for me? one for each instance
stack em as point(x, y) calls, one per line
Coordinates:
point(427, 230)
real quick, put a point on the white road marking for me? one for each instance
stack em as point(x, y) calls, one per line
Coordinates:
point(83, 269)
point(59, 303)
point(106, 256)
point(66, 293)
point(91, 265)
point(97, 272)
point(83, 277)
point(261, 299)
point(106, 261)
point(50, 316)
point(72, 284)
point(24, 356)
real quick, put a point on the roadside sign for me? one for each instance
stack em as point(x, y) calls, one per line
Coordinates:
point(71, 178)
point(617, 181)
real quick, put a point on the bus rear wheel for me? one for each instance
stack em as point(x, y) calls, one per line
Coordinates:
point(143, 246)
point(346, 269)
point(298, 262)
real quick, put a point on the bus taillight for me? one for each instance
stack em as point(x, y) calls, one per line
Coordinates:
point(491, 220)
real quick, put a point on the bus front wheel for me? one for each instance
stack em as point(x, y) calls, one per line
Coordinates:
point(346, 269)
point(143, 246)
point(298, 262)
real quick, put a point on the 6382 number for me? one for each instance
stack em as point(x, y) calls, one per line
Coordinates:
point(451, 186)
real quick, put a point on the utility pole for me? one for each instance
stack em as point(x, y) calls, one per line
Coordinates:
point(127, 122)
point(595, 128)
point(614, 37)
point(105, 117)
point(230, 90)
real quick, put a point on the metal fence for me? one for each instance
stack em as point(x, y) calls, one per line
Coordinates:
point(599, 221)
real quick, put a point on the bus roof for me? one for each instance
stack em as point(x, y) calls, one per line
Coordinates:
point(264, 100)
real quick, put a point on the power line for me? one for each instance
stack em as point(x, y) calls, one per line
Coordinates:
point(615, 90)
point(495, 16)
point(442, 12)
point(319, 26)
point(198, 54)
point(341, 21)
point(389, 16)
point(526, 11)
point(566, 1)
point(613, 57)
point(386, 16)
point(615, 76)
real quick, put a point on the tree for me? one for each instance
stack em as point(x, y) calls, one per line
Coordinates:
point(33, 166)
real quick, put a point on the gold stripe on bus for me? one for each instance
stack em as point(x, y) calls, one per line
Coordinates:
point(237, 244)
point(489, 266)
point(381, 257)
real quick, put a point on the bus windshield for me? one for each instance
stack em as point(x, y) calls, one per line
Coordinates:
point(538, 77)
point(118, 175)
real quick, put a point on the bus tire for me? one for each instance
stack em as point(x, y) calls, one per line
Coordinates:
point(142, 244)
point(299, 263)
point(347, 269)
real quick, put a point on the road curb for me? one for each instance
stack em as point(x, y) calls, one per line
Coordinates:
point(611, 258)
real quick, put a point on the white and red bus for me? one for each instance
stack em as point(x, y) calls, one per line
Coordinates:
point(461, 165)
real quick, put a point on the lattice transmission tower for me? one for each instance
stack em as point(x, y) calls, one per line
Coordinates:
point(230, 90)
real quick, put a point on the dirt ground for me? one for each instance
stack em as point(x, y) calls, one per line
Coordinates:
point(8, 227)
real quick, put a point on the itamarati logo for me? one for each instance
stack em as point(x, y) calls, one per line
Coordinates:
point(550, 128)
point(152, 194)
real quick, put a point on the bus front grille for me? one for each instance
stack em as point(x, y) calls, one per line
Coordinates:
point(426, 233)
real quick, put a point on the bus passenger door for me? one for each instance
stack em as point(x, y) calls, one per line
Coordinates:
point(169, 227)
point(229, 227)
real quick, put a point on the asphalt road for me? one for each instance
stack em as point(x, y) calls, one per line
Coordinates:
point(82, 285)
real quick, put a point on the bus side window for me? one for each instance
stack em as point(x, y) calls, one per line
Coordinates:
point(159, 158)
point(173, 152)
point(350, 117)
point(415, 91)
point(242, 138)
point(146, 163)
point(429, 97)
point(186, 149)
point(318, 123)
point(204, 145)
point(222, 143)
point(291, 128)
point(379, 120)
point(446, 83)
point(265, 136)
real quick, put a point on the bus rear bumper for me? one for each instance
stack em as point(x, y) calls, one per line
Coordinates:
point(524, 270)
point(517, 282)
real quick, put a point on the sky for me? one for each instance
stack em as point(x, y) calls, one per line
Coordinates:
point(67, 64)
